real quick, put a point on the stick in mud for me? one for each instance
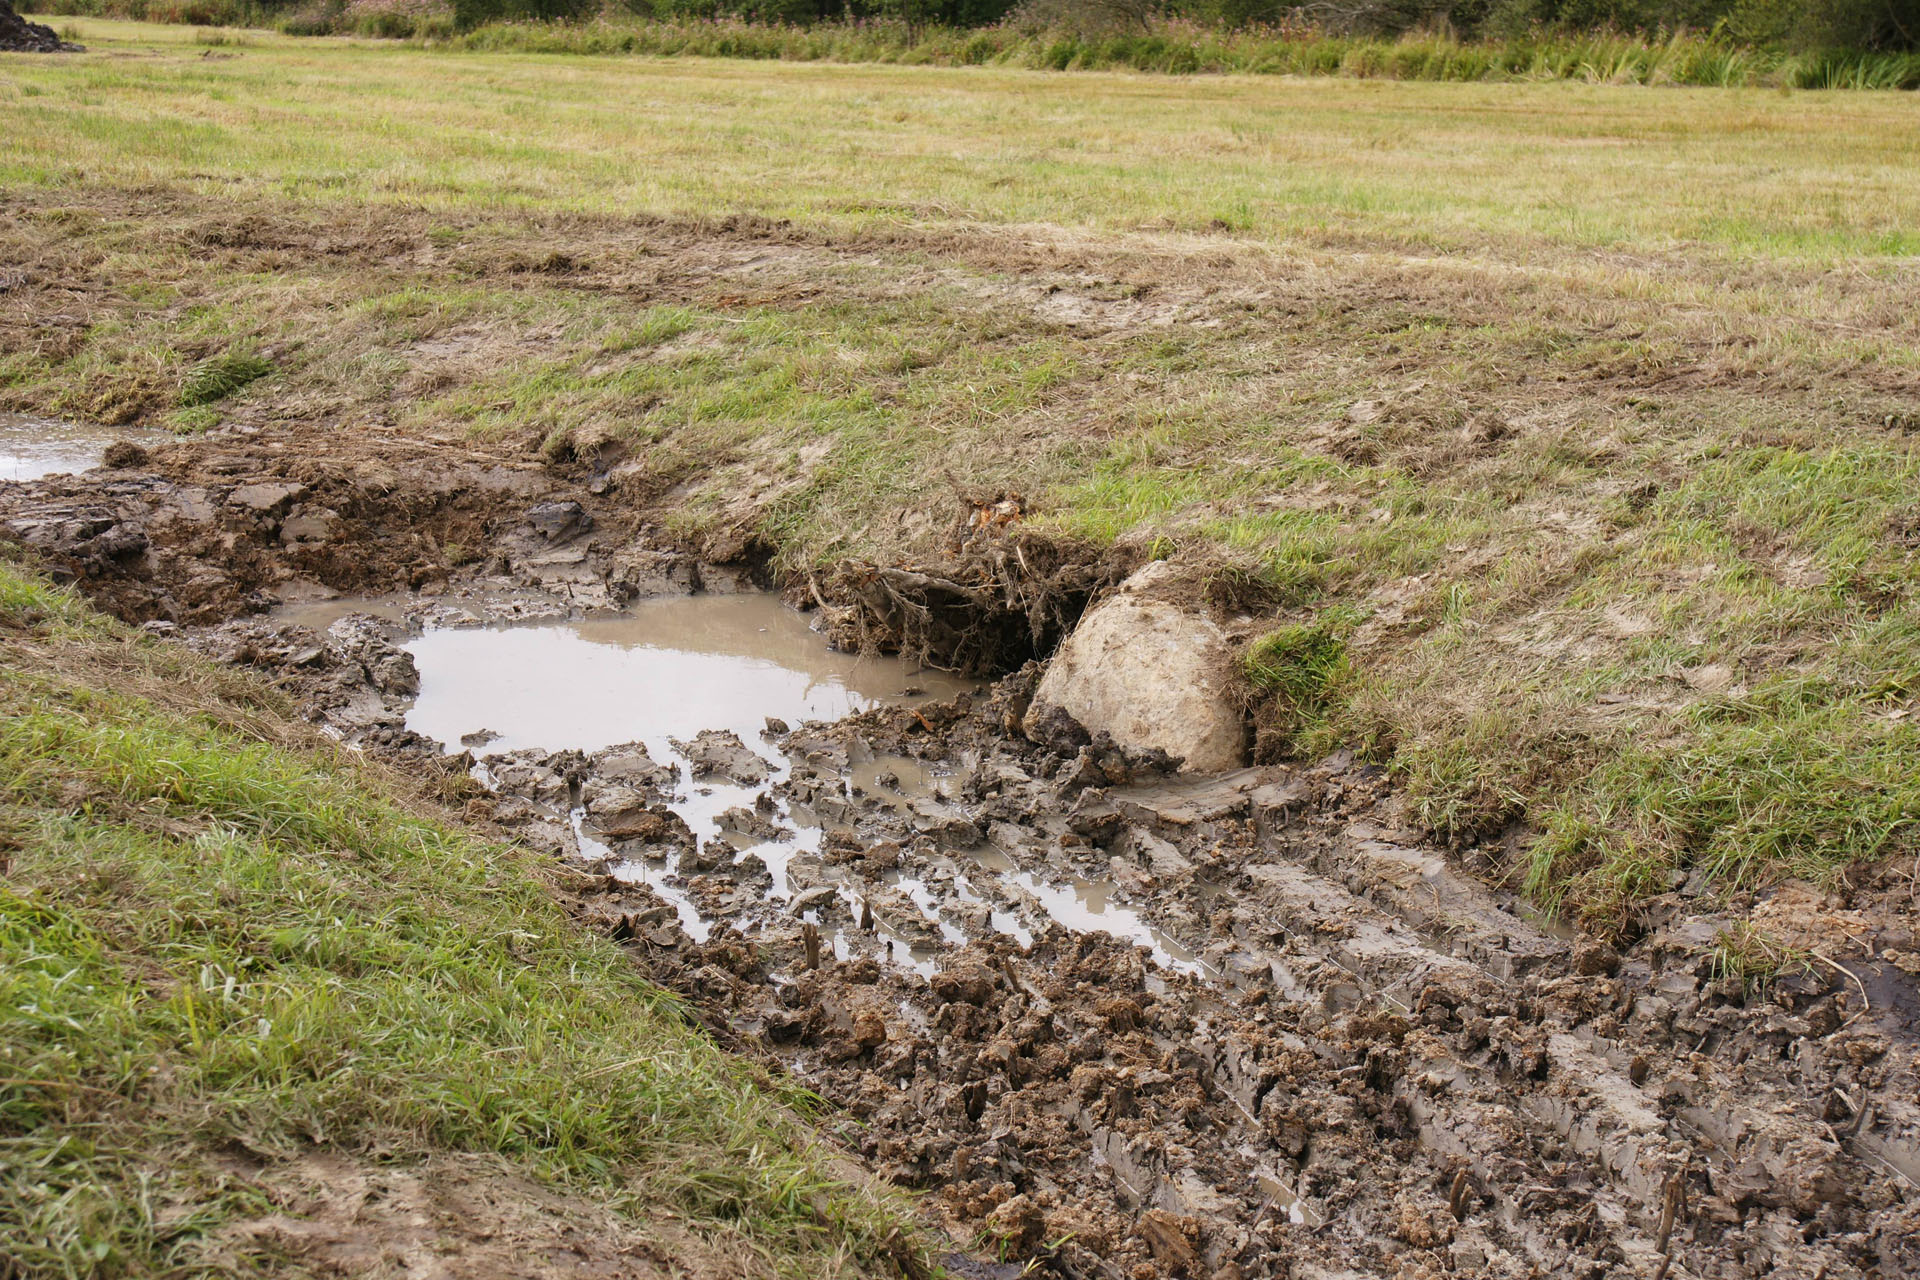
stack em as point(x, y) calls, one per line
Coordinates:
point(1669, 1206)
point(1457, 1198)
point(810, 939)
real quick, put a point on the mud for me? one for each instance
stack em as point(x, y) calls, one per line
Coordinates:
point(238, 523)
point(205, 530)
point(1113, 1019)
point(1370, 1062)
point(1129, 1022)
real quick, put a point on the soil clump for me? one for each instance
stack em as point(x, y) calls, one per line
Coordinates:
point(17, 35)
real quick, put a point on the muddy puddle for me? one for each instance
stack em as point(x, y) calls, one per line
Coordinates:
point(708, 688)
point(669, 669)
point(32, 448)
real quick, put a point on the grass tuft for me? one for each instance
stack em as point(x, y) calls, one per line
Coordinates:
point(1749, 955)
point(1302, 665)
point(220, 377)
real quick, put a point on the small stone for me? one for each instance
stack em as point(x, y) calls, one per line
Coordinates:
point(266, 499)
point(555, 521)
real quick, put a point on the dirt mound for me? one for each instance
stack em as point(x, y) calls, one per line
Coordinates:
point(17, 35)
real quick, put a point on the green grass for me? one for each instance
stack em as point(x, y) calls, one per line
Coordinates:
point(1444, 166)
point(1300, 669)
point(1176, 47)
point(1746, 954)
point(220, 377)
point(207, 938)
point(1165, 46)
point(1581, 414)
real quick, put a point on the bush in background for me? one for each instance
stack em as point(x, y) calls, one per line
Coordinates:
point(1806, 43)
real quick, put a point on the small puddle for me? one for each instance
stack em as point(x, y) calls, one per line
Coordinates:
point(672, 668)
point(32, 448)
point(669, 669)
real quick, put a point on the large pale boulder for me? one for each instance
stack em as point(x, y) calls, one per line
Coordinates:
point(1152, 675)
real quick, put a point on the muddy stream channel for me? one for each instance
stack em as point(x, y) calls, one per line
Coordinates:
point(1140, 1021)
point(1129, 1020)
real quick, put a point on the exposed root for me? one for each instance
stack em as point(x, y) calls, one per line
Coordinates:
point(1004, 601)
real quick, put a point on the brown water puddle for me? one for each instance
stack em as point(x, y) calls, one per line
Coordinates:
point(32, 448)
point(671, 668)
point(668, 669)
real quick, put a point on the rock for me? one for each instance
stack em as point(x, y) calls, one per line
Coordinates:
point(316, 525)
point(1151, 675)
point(123, 454)
point(718, 753)
point(555, 521)
point(266, 499)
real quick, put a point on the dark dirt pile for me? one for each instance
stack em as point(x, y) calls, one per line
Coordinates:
point(17, 35)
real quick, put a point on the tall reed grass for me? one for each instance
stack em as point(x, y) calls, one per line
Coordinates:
point(1177, 47)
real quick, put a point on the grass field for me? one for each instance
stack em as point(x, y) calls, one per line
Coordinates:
point(223, 947)
point(1801, 175)
point(1572, 423)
